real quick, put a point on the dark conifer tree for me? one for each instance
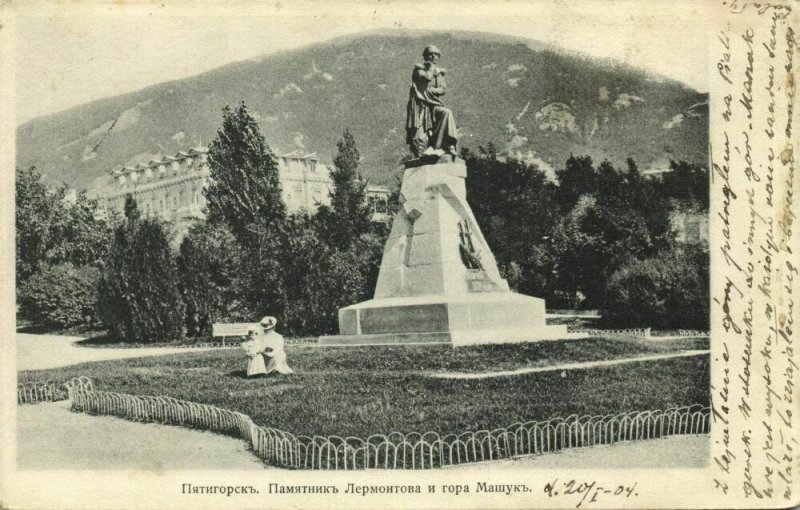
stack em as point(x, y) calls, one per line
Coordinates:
point(139, 296)
point(245, 185)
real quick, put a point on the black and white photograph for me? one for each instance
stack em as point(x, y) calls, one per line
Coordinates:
point(474, 255)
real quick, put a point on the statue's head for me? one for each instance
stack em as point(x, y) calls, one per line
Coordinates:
point(431, 53)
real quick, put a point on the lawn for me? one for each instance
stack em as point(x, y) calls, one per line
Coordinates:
point(366, 390)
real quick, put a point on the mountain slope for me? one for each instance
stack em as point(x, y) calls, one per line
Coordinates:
point(530, 101)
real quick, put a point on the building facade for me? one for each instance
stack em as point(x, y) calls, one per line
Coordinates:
point(172, 187)
point(690, 225)
point(378, 198)
point(306, 183)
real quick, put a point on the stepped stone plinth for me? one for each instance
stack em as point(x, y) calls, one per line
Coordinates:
point(438, 280)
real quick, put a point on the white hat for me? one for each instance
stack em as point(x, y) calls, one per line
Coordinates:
point(268, 322)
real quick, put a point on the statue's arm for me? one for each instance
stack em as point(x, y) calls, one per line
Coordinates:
point(420, 73)
point(439, 86)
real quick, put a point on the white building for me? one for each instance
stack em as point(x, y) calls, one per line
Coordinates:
point(378, 197)
point(172, 187)
point(305, 181)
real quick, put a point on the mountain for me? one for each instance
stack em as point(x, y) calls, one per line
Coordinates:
point(532, 101)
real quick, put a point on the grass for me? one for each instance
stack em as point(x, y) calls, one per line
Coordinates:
point(367, 390)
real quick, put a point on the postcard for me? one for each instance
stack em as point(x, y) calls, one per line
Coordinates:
point(399, 254)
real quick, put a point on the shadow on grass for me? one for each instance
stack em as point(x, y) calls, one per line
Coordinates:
point(274, 377)
point(39, 329)
point(102, 340)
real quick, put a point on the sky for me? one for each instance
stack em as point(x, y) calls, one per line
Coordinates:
point(69, 53)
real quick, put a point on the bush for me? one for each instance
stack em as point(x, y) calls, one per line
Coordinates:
point(61, 296)
point(669, 291)
point(139, 296)
point(297, 277)
point(207, 264)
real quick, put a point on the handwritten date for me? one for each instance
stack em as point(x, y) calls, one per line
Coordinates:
point(589, 492)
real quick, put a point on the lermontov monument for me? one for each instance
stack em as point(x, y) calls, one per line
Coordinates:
point(438, 280)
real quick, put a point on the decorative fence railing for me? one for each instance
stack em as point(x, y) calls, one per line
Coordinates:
point(395, 450)
point(228, 344)
point(636, 333)
point(306, 340)
point(47, 391)
point(692, 333)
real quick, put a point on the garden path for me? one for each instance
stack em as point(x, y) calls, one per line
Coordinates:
point(565, 366)
point(37, 352)
point(120, 444)
point(50, 436)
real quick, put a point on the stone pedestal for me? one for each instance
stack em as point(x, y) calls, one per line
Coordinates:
point(438, 281)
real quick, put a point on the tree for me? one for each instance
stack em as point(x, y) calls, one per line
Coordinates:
point(318, 279)
point(294, 274)
point(53, 233)
point(576, 179)
point(686, 183)
point(346, 225)
point(514, 204)
point(84, 235)
point(139, 296)
point(570, 245)
point(38, 213)
point(208, 262)
point(245, 183)
point(61, 296)
point(348, 216)
point(625, 219)
point(669, 290)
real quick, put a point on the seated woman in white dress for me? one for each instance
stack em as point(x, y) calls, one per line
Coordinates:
point(273, 345)
point(254, 348)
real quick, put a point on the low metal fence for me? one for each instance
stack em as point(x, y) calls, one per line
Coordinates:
point(634, 332)
point(693, 333)
point(395, 450)
point(45, 391)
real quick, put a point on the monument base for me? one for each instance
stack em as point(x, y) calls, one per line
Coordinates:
point(466, 319)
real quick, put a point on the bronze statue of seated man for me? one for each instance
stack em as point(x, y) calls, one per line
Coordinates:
point(430, 126)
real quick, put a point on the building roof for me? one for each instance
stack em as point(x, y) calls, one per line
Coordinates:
point(181, 155)
point(199, 151)
point(299, 155)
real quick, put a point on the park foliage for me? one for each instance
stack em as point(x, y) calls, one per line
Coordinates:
point(61, 295)
point(138, 290)
point(598, 237)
